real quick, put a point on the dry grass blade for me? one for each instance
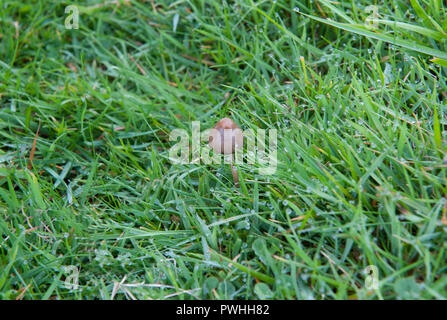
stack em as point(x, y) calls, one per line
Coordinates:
point(33, 149)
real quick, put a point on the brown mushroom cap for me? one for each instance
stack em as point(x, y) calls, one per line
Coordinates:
point(226, 136)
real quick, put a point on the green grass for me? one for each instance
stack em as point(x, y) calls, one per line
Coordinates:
point(361, 177)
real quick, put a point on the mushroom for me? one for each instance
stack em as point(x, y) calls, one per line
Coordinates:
point(225, 138)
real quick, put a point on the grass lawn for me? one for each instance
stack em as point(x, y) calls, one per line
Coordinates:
point(91, 206)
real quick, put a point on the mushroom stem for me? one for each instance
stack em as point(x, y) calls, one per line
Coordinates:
point(234, 172)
